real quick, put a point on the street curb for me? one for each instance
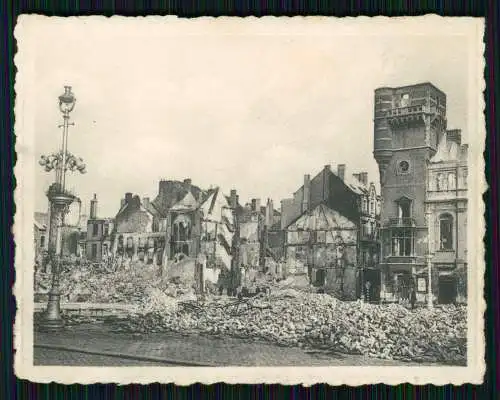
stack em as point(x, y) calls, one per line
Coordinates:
point(121, 355)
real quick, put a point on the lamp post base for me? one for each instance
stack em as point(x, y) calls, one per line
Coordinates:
point(52, 321)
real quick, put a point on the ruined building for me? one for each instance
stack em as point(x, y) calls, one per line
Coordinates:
point(331, 226)
point(41, 236)
point(260, 234)
point(137, 234)
point(422, 174)
point(99, 240)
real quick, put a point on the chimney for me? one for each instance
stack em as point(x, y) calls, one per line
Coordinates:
point(328, 167)
point(233, 199)
point(93, 207)
point(145, 202)
point(307, 193)
point(341, 171)
point(454, 135)
point(269, 212)
point(187, 181)
point(256, 205)
point(363, 177)
point(128, 197)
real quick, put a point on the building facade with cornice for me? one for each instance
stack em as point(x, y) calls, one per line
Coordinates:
point(423, 226)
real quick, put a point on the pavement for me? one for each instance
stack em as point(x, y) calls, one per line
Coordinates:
point(97, 344)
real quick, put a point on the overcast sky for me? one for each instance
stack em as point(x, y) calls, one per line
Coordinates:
point(253, 111)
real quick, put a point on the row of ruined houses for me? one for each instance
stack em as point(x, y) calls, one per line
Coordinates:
point(334, 229)
point(327, 229)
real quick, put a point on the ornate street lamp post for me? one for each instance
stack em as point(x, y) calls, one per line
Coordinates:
point(60, 200)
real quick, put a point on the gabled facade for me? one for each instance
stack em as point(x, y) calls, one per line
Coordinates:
point(183, 227)
point(217, 230)
point(136, 232)
point(323, 244)
point(348, 196)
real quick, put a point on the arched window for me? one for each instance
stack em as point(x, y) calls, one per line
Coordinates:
point(446, 231)
point(404, 209)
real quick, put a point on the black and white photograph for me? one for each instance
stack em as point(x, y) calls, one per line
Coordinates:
point(297, 198)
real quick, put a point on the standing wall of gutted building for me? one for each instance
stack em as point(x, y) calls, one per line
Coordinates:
point(136, 221)
point(94, 250)
point(342, 198)
point(146, 247)
point(319, 188)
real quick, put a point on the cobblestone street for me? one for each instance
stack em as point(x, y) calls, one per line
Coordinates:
point(44, 356)
point(72, 347)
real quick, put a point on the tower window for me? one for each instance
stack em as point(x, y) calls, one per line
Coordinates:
point(95, 229)
point(446, 232)
point(405, 100)
point(404, 209)
point(402, 242)
point(42, 241)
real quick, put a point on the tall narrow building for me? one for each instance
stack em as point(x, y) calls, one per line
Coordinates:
point(409, 124)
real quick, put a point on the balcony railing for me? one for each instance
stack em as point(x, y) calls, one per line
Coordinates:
point(402, 111)
point(368, 236)
point(395, 112)
point(401, 222)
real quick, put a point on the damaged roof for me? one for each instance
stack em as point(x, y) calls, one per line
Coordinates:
point(449, 150)
point(322, 218)
point(172, 192)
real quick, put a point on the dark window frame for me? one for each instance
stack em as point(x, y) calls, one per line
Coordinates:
point(402, 242)
point(93, 250)
point(446, 222)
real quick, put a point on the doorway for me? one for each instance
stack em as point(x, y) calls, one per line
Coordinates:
point(371, 286)
point(403, 284)
point(320, 277)
point(447, 286)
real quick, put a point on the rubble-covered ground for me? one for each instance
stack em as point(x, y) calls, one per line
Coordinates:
point(87, 283)
point(292, 318)
point(290, 315)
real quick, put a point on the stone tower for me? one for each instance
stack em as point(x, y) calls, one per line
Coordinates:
point(408, 123)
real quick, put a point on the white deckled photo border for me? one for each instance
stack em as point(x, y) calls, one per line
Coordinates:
point(25, 130)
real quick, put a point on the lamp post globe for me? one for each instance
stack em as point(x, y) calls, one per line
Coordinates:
point(67, 100)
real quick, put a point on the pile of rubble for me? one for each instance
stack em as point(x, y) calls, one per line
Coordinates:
point(291, 318)
point(86, 283)
point(291, 314)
